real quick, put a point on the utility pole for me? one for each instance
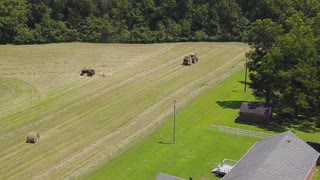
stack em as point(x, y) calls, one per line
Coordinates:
point(245, 77)
point(174, 122)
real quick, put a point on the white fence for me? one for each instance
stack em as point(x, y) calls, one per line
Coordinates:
point(242, 132)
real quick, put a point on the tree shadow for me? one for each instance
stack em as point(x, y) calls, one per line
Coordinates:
point(272, 126)
point(299, 124)
point(161, 142)
point(232, 104)
point(242, 82)
point(280, 126)
point(307, 127)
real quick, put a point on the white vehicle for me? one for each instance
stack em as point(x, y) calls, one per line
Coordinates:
point(224, 167)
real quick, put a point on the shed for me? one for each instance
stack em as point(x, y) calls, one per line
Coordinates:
point(255, 113)
point(284, 156)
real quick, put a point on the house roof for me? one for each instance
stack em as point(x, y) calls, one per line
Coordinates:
point(162, 176)
point(284, 156)
point(255, 108)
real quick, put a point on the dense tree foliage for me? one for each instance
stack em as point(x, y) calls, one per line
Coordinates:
point(139, 21)
point(284, 64)
point(142, 21)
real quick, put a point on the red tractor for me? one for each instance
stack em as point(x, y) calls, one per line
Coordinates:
point(90, 72)
point(194, 57)
point(186, 61)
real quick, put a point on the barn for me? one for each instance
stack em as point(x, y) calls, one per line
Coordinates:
point(284, 156)
point(255, 113)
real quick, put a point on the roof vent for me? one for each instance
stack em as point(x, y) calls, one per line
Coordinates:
point(289, 141)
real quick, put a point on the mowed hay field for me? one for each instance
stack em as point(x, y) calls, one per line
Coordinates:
point(84, 122)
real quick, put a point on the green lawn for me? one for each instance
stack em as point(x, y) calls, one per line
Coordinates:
point(199, 146)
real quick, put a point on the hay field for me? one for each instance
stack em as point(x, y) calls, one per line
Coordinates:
point(85, 122)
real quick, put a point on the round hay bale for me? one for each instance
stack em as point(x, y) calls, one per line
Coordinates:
point(33, 137)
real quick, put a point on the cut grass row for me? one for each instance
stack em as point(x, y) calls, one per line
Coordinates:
point(199, 147)
point(85, 122)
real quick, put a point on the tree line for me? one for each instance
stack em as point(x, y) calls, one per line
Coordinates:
point(129, 21)
point(136, 21)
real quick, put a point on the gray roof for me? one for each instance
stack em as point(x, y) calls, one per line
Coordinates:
point(284, 156)
point(256, 108)
point(162, 176)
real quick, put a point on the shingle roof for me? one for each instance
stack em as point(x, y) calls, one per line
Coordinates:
point(162, 176)
point(255, 108)
point(284, 156)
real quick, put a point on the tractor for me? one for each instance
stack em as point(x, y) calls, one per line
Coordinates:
point(90, 72)
point(194, 57)
point(186, 61)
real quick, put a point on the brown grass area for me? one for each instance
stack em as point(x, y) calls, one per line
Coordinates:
point(85, 122)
